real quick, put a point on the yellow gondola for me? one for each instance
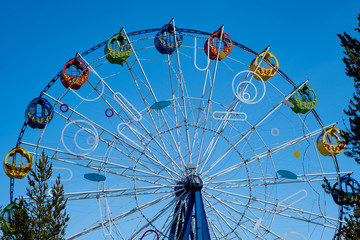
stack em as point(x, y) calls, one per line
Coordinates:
point(331, 142)
point(17, 168)
point(265, 69)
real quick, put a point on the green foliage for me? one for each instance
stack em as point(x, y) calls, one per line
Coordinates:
point(352, 69)
point(351, 230)
point(40, 217)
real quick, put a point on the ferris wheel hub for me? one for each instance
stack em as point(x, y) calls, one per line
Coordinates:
point(193, 182)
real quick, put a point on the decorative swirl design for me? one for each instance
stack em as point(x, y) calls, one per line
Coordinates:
point(62, 179)
point(92, 99)
point(88, 134)
point(241, 90)
point(275, 132)
point(127, 106)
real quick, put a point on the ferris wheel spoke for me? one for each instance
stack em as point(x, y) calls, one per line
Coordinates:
point(116, 96)
point(149, 168)
point(230, 209)
point(199, 115)
point(251, 130)
point(181, 98)
point(134, 146)
point(124, 141)
point(216, 136)
point(215, 230)
point(168, 128)
point(175, 142)
point(148, 86)
point(226, 204)
point(176, 217)
point(185, 115)
point(123, 100)
point(210, 93)
point(289, 209)
point(165, 142)
point(123, 215)
point(123, 192)
point(99, 168)
point(162, 164)
point(210, 149)
point(225, 217)
point(264, 181)
point(175, 113)
point(154, 218)
point(127, 107)
point(161, 145)
point(266, 153)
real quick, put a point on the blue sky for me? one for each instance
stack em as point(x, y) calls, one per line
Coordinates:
point(38, 37)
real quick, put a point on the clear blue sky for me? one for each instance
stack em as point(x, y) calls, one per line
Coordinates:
point(38, 37)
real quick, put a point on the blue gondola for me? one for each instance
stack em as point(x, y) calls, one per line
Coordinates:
point(348, 193)
point(165, 39)
point(38, 113)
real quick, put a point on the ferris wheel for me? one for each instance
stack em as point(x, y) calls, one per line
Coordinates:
point(173, 133)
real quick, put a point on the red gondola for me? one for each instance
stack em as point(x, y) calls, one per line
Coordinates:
point(212, 45)
point(74, 74)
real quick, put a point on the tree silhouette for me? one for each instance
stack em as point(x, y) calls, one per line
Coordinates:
point(351, 230)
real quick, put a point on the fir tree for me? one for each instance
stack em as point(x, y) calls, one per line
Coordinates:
point(351, 230)
point(352, 69)
point(40, 217)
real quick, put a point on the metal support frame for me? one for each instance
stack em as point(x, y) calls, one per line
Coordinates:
point(201, 225)
point(189, 208)
point(12, 185)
